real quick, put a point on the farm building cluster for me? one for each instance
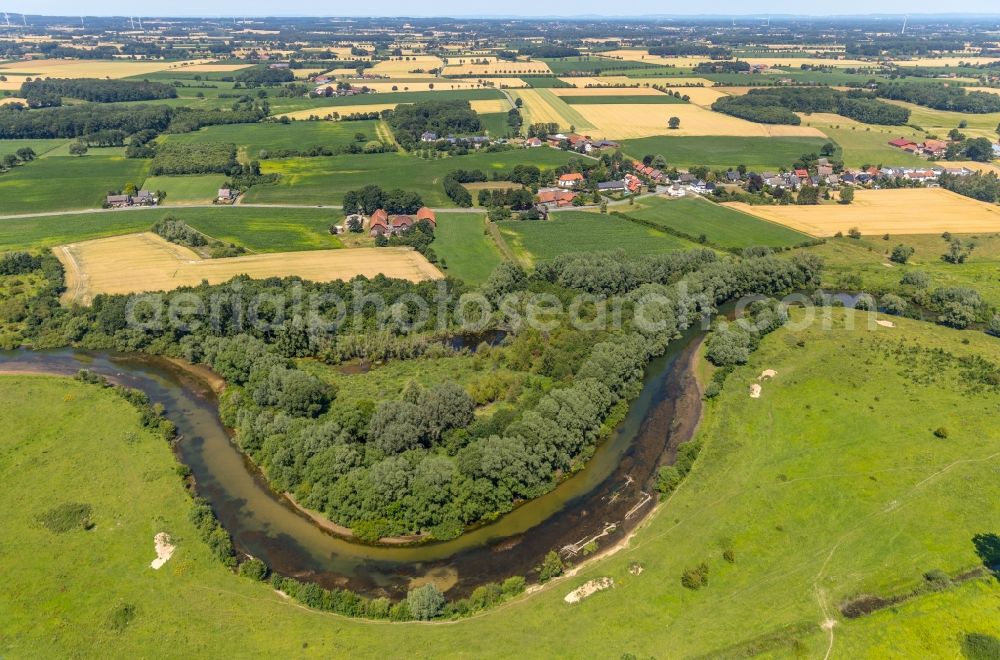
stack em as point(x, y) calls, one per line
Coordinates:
point(140, 198)
point(381, 223)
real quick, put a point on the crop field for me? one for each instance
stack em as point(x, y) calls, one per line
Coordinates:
point(192, 189)
point(325, 180)
point(903, 211)
point(257, 229)
point(543, 106)
point(57, 183)
point(580, 90)
point(941, 121)
point(346, 105)
point(756, 153)
point(464, 248)
point(496, 68)
point(595, 64)
point(495, 123)
point(65, 68)
point(817, 507)
point(303, 135)
point(624, 97)
point(719, 224)
point(865, 144)
point(637, 121)
point(703, 96)
point(430, 85)
point(145, 262)
point(400, 67)
point(580, 231)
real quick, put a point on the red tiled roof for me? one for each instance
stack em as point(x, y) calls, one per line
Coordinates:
point(572, 176)
point(379, 217)
point(426, 214)
point(901, 142)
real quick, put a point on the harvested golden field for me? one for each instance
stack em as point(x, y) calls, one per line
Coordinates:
point(4, 100)
point(605, 91)
point(667, 81)
point(623, 121)
point(429, 85)
point(496, 68)
point(875, 212)
point(703, 96)
point(400, 67)
point(145, 262)
point(94, 68)
point(486, 106)
point(988, 90)
point(972, 165)
point(953, 60)
point(642, 55)
point(476, 186)
point(215, 68)
point(343, 109)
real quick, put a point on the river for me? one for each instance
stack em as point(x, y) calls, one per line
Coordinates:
point(617, 486)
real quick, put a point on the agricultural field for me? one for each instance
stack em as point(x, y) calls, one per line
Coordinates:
point(719, 224)
point(399, 67)
point(256, 229)
point(900, 211)
point(145, 262)
point(40, 147)
point(638, 121)
point(189, 189)
point(624, 97)
point(906, 504)
point(325, 180)
point(866, 144)
point(252, 139)
point(58, 183)
point(757, 153)
point(16, 72)
point(567, 232)
point(465, 251)
point(498, 68)
point(595, 64)
point(346, 104)
point(495, 123)
point(544, 106)
point(942, 121)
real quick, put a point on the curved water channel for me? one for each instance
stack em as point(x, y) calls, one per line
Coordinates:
point(608, 497)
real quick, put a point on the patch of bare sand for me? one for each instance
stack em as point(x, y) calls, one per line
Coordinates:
point(755, 391)
point(164, 550)
point(886, 324)
point(588, 589)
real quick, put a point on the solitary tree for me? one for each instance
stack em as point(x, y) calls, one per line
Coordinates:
point(846, 195)
point(901, 254)
point(425, 602)
point(77, 149)
point(674, 122)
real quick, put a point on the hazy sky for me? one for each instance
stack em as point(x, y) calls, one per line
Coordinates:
point(464, 8)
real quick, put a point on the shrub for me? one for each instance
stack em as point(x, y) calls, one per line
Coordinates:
point(729, 555)
point(254, 569)
point(425, 602)
point(552, 566)
point(893, 304)
point(994, 326)
point(941, 432)
point(122, 615)
point(916, 278)
point(513, 585)
point(901, 254)
point(695, 578)
point(980, 646)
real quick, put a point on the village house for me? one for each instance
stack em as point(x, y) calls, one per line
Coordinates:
point(378, 223)
point(555, 197)
point(935, 148)
point(571, 180)
point(534, 142)
point(144, 198)
point(612, 186)
point(633, 183)
point(226, 195)
point(118, 201)
point(427, 214)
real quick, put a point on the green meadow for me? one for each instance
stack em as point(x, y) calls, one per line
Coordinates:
point(757, 153)
point(275, 136)
point(257, 229)
point(464, 248)
point(864, 263)
point(343, 104)
point(721, 225)
point(567, 232)
point(324, 180)
point(41, 147)
point(58, 183)
point(818, 492)
point(189, 189)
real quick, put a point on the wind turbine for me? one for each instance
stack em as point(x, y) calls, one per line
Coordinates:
point(903, 31)
point(131, 22)
point(141, 29)
point(6, 17)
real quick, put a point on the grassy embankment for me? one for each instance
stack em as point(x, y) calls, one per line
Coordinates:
point(823, 489)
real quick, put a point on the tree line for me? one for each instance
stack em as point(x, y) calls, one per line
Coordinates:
point(409, 121)
point(778, 105)
point(47, 93)
point(940, 97)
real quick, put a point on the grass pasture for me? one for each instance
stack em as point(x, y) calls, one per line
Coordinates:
point(719, 224)
point(581, 231)
point(300, 135)
point(902, 211)
point(325, 180)
point(942, 121)
point(866, 144)
point(465, 249)
point(145, 262)
point(821, 489)
point(345, 104)
point(41, 147)
point(59, 183)
point(257, 229)
point(757, 153)
point(194, 189)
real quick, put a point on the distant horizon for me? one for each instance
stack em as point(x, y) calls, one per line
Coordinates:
point(113, 9)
